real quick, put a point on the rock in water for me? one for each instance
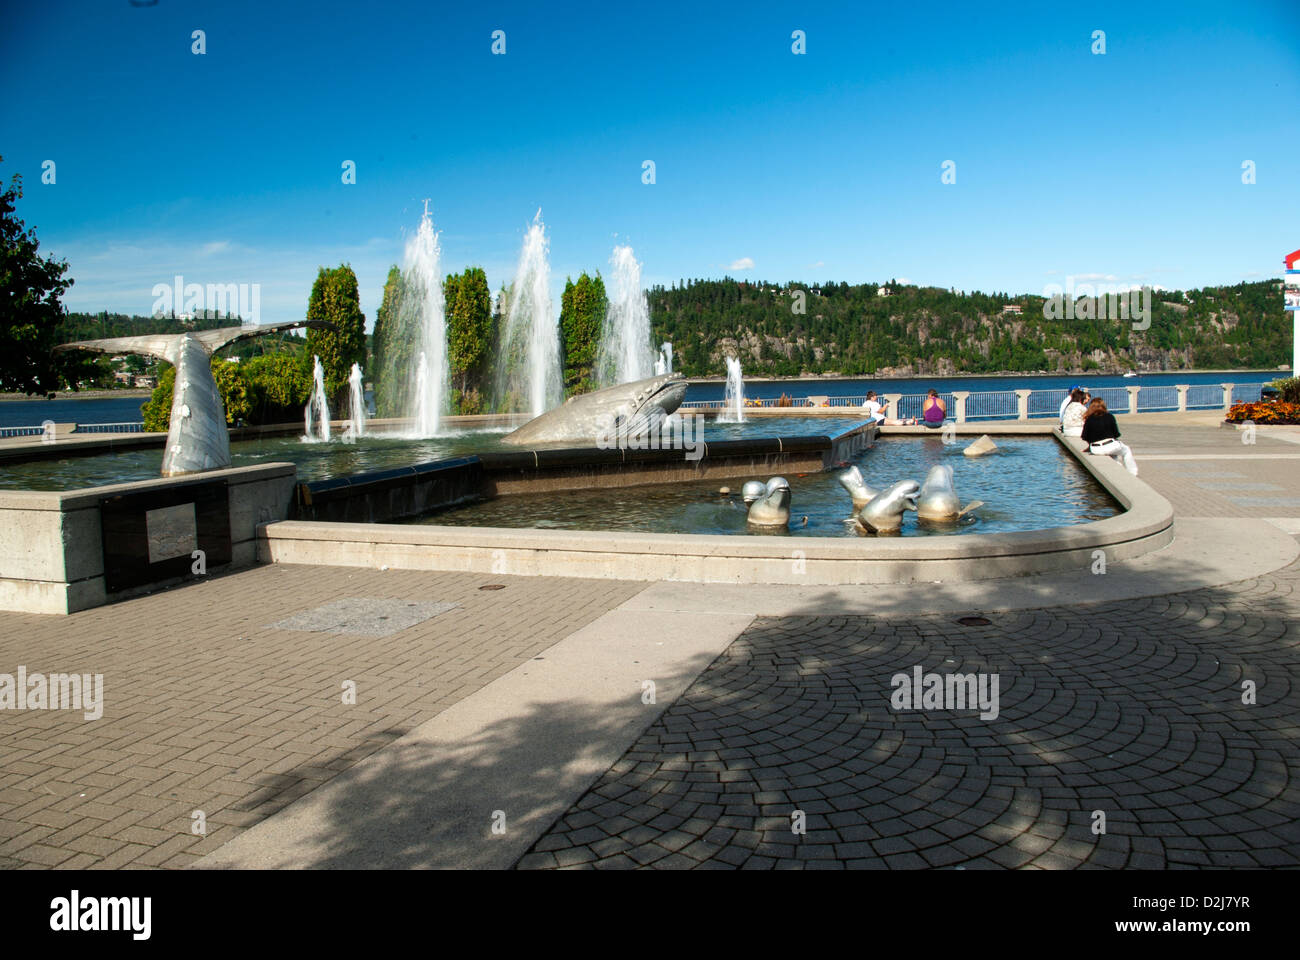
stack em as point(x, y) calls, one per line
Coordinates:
point(980, 447)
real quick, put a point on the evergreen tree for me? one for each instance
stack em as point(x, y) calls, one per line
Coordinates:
point(334, 298)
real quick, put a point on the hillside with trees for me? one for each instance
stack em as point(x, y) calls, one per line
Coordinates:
point(899, 330)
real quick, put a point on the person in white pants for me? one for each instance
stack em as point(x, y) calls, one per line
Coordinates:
point(1101, 433)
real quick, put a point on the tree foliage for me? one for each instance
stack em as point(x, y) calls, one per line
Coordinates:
point(470, 337)
point(334, 298)
point(854, 330)
point(30, 309)
point(582, 312)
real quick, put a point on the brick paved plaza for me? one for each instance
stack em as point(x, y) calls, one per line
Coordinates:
point(224, 697)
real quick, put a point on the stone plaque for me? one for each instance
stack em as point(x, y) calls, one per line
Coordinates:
point(172, 532)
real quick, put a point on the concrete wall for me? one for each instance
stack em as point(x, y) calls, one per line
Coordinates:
point(51, 544)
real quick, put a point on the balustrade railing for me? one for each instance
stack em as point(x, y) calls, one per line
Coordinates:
point(1005, 404)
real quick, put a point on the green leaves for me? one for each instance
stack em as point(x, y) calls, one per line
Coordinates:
point(30, 307)
point(334, 298)
point(582, 314)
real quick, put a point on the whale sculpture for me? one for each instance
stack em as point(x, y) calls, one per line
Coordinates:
point(851, 480)
point(772, 508)
point(629, 408)
point(197, 439)
point(884, 512)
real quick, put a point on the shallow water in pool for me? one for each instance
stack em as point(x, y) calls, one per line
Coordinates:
point(1028, 484)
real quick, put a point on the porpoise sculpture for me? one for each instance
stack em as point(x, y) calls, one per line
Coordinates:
point(772, 508)
point(851, 480)
point(197, 439)
point(884, 512)
point(938, 501)
point(628, 409)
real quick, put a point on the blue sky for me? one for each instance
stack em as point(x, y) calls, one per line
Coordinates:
point(226, 167)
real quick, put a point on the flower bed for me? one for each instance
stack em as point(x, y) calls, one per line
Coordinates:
point(1279, 411)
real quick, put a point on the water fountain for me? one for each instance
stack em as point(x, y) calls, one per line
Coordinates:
point(357, 403)
point(528, 367)
point(734, 404)
point(625, 352)
point(422, 318)
point(318, 409)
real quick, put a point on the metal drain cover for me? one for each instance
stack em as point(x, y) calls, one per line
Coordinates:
point(974, 621)
point(367, 616)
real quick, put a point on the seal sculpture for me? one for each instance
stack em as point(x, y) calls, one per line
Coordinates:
point(752, 490)
point(772, 508)
point(884, 513)
point(851, 480)
point(197, 438)
point(938, 501)
point(629, 408)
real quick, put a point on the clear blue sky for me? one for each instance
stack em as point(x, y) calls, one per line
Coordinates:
point(226, 167)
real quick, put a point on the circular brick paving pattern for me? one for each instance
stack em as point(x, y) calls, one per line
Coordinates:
point(1134, 709)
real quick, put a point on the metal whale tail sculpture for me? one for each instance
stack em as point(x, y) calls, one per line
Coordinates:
point(629, 408)
point(851, 480)
point(772, 507)
point(197, 439)
point(884, 513)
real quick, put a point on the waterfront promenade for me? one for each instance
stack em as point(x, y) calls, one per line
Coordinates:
point(513, 726)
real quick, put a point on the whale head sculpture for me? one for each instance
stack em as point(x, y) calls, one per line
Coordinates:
point(884, 513)
point(772, 508)
point(629, 408)
point(197, 438)
point(752, 490)
point(938, 501)
point(851, 480)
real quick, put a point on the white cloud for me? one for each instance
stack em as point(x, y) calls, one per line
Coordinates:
point(220, 246)
point(744, 263)
point(904, 280)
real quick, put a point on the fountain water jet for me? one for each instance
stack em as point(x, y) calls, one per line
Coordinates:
point(734, 404)
point(529, 362)
point(357, 401)
point(423, 320)
point(318, 409)
point(625, 353)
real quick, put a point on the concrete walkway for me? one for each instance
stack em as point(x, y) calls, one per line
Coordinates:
point(518, 725)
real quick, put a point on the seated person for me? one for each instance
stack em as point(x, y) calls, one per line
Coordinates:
point(934, 410)
point(877, 411)
point(1072, 419)
point(1101, 433)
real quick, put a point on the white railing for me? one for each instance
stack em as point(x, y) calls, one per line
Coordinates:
point(1028, 404)
point(134, 426)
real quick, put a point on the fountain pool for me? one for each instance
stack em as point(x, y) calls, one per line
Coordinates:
point(1030, 484)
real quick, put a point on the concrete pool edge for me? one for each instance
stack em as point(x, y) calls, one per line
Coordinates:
point(1145, 525)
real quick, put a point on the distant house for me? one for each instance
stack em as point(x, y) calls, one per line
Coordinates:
point(146, 382)
point(882, 292)
point(1013, 308)
point(121, 376)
